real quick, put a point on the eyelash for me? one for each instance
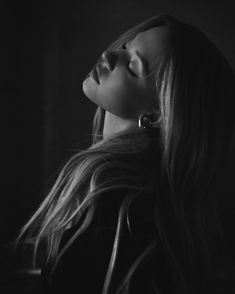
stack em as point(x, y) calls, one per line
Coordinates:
point(123, 46)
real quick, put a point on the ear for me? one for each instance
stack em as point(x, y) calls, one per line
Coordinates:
point(150, 120)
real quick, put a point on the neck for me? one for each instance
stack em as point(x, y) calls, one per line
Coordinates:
point(114, 124)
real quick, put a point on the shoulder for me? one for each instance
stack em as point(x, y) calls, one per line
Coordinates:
point(89, 255)
point(138, 210)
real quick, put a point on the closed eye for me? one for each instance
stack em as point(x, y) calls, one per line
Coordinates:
point(123, 46)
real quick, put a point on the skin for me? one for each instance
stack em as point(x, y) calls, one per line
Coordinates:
point(124, 94)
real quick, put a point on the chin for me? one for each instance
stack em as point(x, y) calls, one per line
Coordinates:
point(84, 86)
point(88, 88)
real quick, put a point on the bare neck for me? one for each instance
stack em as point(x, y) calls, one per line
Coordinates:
point(114, 124)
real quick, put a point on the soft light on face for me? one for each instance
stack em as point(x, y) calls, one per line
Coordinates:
point(123, 88)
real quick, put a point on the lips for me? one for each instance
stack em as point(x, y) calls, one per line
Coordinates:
point(94, 75)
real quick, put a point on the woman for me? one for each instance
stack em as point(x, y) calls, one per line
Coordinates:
point(145, 209)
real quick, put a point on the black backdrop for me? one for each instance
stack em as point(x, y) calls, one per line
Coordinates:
point(47, 49)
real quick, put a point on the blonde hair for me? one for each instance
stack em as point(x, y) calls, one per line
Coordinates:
point(180, 162)
point(80, 184)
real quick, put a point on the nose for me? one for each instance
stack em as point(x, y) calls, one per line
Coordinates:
point(108, 57)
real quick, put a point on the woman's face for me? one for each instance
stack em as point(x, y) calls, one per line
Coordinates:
point(123, 87)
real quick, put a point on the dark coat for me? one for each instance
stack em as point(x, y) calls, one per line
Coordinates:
point(83, 267)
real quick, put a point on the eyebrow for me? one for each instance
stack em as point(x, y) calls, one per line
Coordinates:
point(141, 57)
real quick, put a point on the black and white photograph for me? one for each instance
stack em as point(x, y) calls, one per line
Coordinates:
point(118, 137)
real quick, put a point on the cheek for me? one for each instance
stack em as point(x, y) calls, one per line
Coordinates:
point(121, 97)
point(118, 94)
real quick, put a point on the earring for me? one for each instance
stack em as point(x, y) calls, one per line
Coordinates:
point(143, 121)
point(148, 120)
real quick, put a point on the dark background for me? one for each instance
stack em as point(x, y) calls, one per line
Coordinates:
point(47, 48)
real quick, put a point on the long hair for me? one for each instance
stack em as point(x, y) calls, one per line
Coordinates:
point(181, 163)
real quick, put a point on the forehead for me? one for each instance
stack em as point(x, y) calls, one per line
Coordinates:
point(151, 41)
point(153, 34)
point(151, 44)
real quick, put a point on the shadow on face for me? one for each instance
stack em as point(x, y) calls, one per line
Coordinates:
point(121, 82)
